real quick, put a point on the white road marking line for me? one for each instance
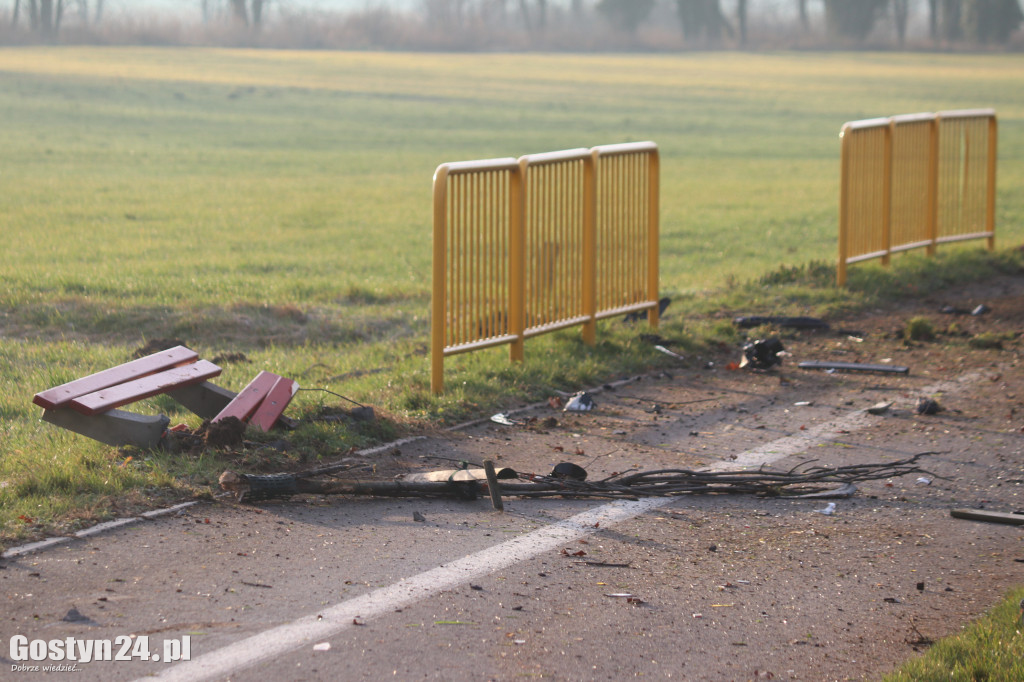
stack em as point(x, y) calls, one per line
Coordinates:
point(315, 627)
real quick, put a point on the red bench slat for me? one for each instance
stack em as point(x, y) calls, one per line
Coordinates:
point(274, 404)
point(249, 398)
point(124, 393)
point(157, 362)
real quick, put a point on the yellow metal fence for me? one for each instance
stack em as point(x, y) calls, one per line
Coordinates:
point(547, 241)
point(915, 181)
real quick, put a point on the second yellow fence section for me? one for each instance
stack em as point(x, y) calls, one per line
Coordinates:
point(916, 181)
point(547, 241)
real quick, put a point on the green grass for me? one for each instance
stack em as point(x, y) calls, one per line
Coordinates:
point(277, 204)
point(992, 649)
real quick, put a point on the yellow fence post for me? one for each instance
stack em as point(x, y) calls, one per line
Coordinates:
point(653, 234)
point(438, 296)
point(990, 204)
point(517, 267)
point(844, 200)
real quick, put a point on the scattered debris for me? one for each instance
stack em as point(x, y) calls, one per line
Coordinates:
point(980, 310)
point(762, 354)
point(927, 406)
point(923, 480)
point(230, 358)
point(75, 616)
point(227, 432)
point(1013, 518)
point(853, 367)
point(879, 408)
point(503, 419)
point(581, 402)
point(420, 518)
point(642, 314)
point(670, 353)
point(569, 470)
point(747, 322)
point(829, 509)
point(322, 646)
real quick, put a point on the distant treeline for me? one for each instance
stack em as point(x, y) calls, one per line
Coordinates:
point(525, 24)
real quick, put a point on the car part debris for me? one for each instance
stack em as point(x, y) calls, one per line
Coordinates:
point(763, 353)
point(879, 408)
point(853, 367)
point(748, 321)
point(581, 402)
point(663, 303)
point(670, 353)
point(569, 470)
point(927, 406)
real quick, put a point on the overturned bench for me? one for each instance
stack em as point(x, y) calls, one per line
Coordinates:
point(89, 406)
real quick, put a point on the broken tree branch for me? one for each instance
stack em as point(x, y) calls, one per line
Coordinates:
point(801, 481)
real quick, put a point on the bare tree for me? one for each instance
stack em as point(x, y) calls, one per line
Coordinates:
point(900, 12)
point(702, 18)
point(741, 21)
point(239, 12)
point(805, 21)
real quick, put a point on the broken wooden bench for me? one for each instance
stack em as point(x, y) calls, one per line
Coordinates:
point(88, 406)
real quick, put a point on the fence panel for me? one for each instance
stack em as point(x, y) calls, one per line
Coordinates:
point(914, 177)
point(627, 229)
point(864, 192)
point(559, 245)
point(915, 181)
point(967, 175)
point(477, 258)
point(521, 247)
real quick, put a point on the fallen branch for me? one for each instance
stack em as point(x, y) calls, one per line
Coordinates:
point(801, 481)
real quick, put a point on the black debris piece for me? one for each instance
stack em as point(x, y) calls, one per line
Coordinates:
point(747, 321)
point(763, 353)
point(642, 314)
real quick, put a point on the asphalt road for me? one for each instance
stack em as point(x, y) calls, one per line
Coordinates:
point(698, 587)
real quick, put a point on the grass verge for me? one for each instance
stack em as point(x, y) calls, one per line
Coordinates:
point(991, 648)
point(53, 481)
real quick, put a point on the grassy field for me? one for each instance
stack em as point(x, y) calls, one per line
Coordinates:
point(277, 205)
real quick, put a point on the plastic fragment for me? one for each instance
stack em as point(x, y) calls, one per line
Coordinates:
point(504, 419)
point(581, 402)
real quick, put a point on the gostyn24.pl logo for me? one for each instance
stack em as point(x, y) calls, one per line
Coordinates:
point(54, 655)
